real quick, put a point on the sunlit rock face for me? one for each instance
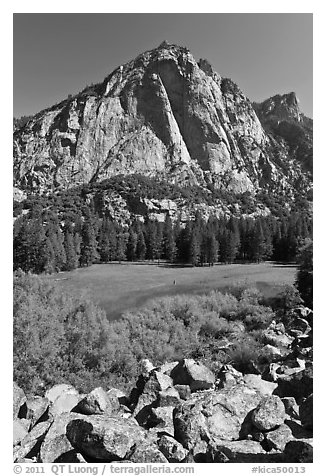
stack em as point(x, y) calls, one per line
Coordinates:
point(160, 114)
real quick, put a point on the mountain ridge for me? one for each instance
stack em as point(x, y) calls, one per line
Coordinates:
point(166, 115)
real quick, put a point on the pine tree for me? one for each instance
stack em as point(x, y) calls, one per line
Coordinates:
point(141, 246)
point(70, 249)
point(56, 239)
point(32, 250)
point(158, 246)
point(229, 245)
point(169, 244)
point(151, 239)
point(131, 249)
point(183, 243)
point(195, 248)
point(257, 243)
point(88, 252)
point(107, 240)
point(212, 249)
point(121, 248)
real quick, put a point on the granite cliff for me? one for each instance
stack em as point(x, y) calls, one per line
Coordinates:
point(165, 115)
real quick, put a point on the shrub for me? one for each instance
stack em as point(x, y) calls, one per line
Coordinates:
point(63, 339)
point(243, 353)
point(304, 281)
point(57, 338)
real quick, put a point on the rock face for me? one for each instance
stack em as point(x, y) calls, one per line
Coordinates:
point(161, 114)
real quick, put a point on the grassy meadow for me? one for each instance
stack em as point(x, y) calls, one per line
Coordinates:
point(121, 287)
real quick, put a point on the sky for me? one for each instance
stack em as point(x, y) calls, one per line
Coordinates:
point(59, 54)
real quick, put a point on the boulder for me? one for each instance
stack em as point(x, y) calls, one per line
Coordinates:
point(256, 382)
point(298, 451)
point(277, 339)
point(167, 367)
point(56, 433)
point(162, 419)
point(65, 402)
point(19, 431)
point(103, 437)
point(291, 407)
point(298, 385)
point(277, 439)
point(145, 366)
point(97, 402)
point(298, 431)
point(115, 393)
point(147, 451)
point(270, 353)
point(300, 327)
point(54, 449)
point(270, 372)
point(37, 408)
point(196, 375)
point(244, 451)
point(214, 415)
point(54, 392)
point(156, 383)
point(60, 450)
point(269, 413)
point(30, 445)
point(290, 367)
point(306, 412)
point(172, 449)
point(183, 390)
point(169, 397)
point(228, 376)
point(19, 399)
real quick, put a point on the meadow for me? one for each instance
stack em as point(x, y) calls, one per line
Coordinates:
point(117, 288)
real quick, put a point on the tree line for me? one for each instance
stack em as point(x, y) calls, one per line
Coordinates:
point(46, 241)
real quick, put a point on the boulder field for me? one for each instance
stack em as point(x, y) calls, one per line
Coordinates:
point(180, 412)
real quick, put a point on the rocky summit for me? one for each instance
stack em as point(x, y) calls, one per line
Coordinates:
point(166, 115)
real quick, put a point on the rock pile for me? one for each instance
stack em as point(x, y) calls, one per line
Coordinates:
point(178, 412)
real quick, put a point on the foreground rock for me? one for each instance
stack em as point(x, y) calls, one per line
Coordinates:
point(104, 438)
point(36, 409)
point(306, 412)
point(19, 399)
point(30, 445)
point(172, 449)
point(58, 390)
point(197, 376)
point(55, 443)
point(257, 383)
point(97, 402)
point(214, 415)
point(244, 451)
point(146, 394)
point(299, 451)
point(19, 431)
point(181, 414)
point(269, 414)
point(147, 451)
point(277, 439)
point(298, 385)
